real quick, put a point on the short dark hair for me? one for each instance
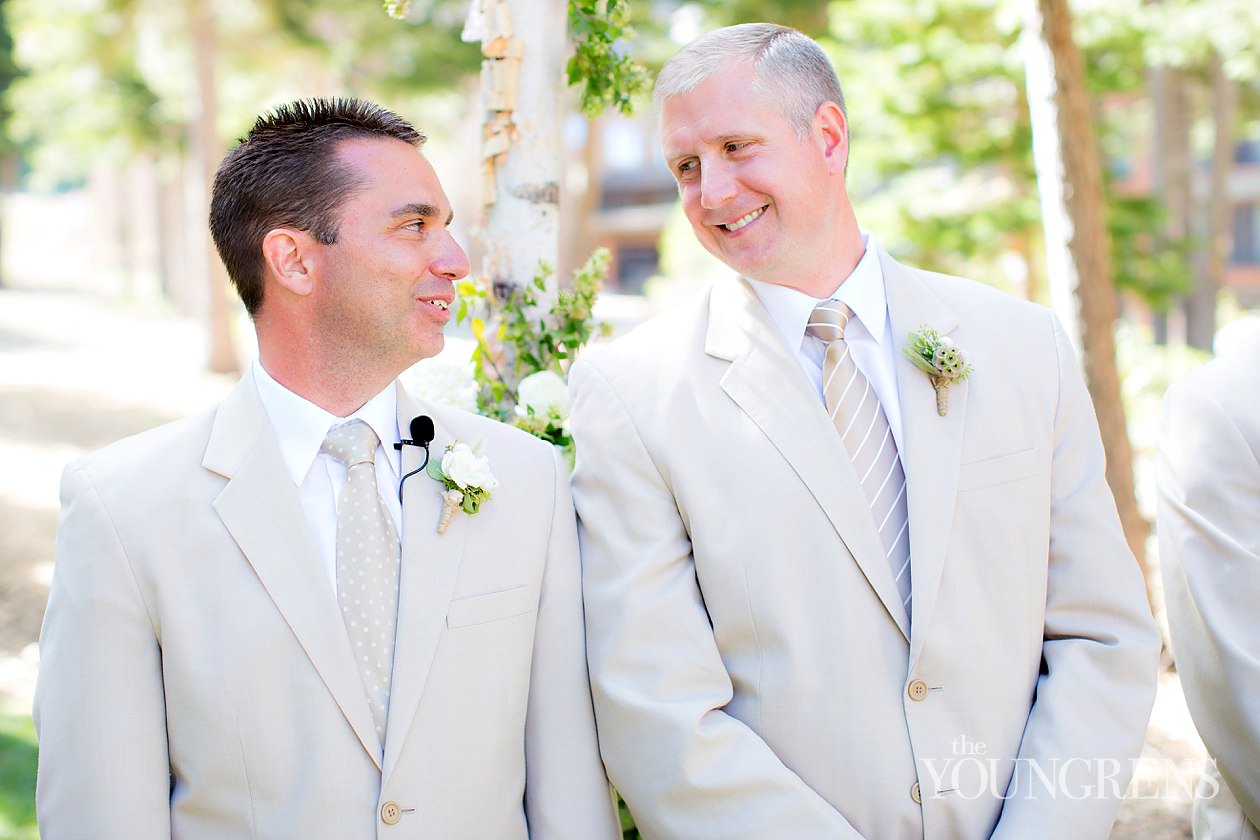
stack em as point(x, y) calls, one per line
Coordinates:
point(285, 173)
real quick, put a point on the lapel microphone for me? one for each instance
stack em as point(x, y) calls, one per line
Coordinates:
point(421, 435)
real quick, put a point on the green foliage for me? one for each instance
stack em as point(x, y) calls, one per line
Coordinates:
point(18, 758)
point(607, 79)
point(1156, 269)
point(88, 93)
point(809, 16)
point(551, 427)
point(514, 340)
point(1183, 33)
point(628, 829)
point(397, 9)
point(108, 80)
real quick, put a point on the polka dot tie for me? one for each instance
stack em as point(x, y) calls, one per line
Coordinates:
point(859, 418)
point(367, 564)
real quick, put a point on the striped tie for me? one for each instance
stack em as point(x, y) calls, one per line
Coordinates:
point(860, 420)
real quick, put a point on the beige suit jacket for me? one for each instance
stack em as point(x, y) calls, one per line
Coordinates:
point(752, 673)
point(1209, 551)
point(197, 681)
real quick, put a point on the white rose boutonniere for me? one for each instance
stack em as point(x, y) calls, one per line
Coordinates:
point(542, 393)
point(941, 359)
point(542, 409)
point(465, 474)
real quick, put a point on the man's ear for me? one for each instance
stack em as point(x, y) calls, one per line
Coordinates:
point(833, 129)
point(289, 254)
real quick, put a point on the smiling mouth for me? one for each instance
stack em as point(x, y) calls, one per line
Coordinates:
point(440, 304)
point(744, 221)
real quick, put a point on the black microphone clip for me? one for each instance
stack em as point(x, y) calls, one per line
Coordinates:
point(421, 435)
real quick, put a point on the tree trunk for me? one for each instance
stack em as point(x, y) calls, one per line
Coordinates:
point(1069, 175)
point(1172, 163)
point(208, 149)
point(522, 81)
point(1210, 262)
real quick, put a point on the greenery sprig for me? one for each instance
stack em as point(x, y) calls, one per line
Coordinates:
point(515, 341)
point(608, 79)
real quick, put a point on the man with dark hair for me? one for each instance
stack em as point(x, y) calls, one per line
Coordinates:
point(255, 629)
point(831, 591)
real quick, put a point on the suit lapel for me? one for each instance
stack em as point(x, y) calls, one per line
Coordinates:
point(430, 567)
point(766, 381)
point(931, 445)
point(260, 508)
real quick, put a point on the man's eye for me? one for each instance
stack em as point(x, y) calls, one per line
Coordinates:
point(735, 147)
point(687, 166)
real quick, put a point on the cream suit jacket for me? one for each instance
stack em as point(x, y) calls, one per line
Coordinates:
point(750, 678)
point(197, 680)
point(1209, 551)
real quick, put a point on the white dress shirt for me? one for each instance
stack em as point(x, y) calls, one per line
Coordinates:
point(869, 332)
point(301, 427)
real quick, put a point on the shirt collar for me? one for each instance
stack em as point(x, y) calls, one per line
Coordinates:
point(862, 290)
point(301, 425)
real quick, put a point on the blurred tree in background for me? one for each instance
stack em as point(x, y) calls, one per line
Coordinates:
point(143, 95)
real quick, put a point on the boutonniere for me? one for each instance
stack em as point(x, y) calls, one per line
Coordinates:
point(941, 359)
point(542, 409)
point(465, 473)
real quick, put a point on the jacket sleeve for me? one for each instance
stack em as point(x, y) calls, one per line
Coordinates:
point(100, 712)
point(687, 769)
point(1100, 654)
point(567, 796)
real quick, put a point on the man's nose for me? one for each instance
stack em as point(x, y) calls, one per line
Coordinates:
point(452, 263)
point(717, 186)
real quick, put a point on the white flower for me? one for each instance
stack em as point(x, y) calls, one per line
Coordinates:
point(466, 468)
point(443, 381)
point(543, 392)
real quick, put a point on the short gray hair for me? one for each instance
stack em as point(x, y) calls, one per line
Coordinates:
point(790, 67)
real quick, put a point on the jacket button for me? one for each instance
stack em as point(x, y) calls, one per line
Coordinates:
point(917, 689)
point(391, 813)
point(915, 795)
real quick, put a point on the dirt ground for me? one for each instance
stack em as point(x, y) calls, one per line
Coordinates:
point(78, 371)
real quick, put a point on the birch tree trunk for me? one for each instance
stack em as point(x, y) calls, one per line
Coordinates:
point(1210, 262)
point(1069, 176)
point(524, 43)
point(208, 149)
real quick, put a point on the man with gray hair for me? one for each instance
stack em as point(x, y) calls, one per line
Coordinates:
point(851, 566)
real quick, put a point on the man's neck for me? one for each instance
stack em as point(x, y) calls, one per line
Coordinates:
point(830, 266)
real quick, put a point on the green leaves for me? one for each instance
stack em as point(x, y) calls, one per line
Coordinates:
point(607, 79)
point(515, 340)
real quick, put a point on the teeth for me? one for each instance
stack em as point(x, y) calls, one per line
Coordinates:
point(440, 304)
point(744, 221)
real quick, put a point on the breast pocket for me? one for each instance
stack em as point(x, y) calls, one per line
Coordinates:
point(1002, 469)
point(493, 606)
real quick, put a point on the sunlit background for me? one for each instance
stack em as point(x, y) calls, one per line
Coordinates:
point(115, 111)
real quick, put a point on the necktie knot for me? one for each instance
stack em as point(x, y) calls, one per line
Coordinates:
point(828, 320)
point(351, 443)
